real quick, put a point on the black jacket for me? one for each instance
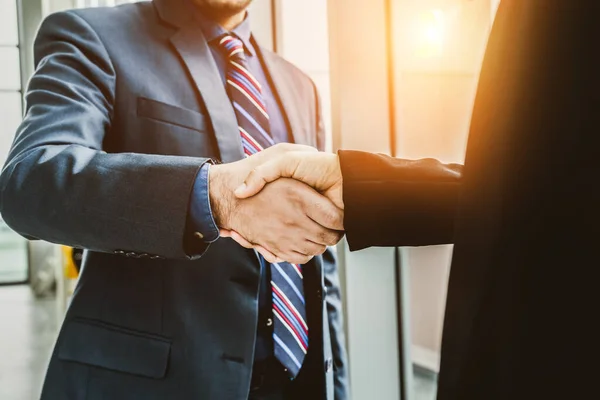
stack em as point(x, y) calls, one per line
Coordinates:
point(525, 218)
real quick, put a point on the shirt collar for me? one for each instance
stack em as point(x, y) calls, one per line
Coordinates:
point(212, 31)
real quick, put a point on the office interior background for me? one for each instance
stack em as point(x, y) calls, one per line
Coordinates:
point(396, 77)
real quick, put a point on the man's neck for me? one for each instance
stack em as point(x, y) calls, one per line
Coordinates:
point(231, 22)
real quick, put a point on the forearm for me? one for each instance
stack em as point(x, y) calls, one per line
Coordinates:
point(105, 202)
point(395, 202)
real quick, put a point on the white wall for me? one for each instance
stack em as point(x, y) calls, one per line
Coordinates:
point(51, 6)
point(302, 38)
point(261, 19)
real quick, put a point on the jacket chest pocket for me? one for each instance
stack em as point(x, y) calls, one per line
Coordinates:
point(169, 114)
point(172, 130)
point(114, 348)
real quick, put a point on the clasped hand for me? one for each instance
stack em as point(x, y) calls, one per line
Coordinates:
point(285, 202)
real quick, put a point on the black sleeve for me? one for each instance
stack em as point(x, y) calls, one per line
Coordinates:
point(395, 202)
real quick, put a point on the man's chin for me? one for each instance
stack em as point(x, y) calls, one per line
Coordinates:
point(223, 8)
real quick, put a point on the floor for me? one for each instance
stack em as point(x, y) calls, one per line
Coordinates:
point(424, 385)
point(27, 336)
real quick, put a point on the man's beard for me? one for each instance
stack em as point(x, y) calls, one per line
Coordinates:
point(222, 8)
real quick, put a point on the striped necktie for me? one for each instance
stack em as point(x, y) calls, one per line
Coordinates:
point(290, 331)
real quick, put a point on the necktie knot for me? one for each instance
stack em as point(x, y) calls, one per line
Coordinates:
point(233, 47)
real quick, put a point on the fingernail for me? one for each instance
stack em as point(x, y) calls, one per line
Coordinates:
point(240, 188)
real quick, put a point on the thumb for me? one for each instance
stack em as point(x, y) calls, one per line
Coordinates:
point(281, 167)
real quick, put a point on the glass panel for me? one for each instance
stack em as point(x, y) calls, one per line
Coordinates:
point(8, 23)
point(306, 48)
point(13, 248)
point(10, 115)
point(13, 256)
point(101, 3)
point(10, 74)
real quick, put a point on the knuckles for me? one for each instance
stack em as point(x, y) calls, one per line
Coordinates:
point(301, 259)
point(329, 237)
point(333, 218)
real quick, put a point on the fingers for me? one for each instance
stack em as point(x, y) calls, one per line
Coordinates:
point(323, 212)
point(318, 249)
point(318, 170)
point(270, 257)
point(282, 148)
point(241, 240)
point(279, 167)
point(309, 250)
point(278, 159)
point(329, 237)
point(318, 238)
point(224, 233)
point(299, 258)
point(295, 257)
point(299, 254)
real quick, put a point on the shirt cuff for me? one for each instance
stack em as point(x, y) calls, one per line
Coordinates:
point(200, 213)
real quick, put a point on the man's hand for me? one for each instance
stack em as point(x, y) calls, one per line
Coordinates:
point(224, 178)
point(287, 221)
point(320, 170)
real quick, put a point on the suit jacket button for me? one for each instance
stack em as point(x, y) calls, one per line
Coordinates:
point(328, 364)
point(199, 235)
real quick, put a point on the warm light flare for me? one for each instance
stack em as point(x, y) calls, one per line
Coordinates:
point(431, 33)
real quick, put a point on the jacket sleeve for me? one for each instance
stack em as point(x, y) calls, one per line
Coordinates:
point(59, 185)
point(396, 202)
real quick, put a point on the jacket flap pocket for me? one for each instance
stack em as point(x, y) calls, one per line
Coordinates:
point(170, 114)
point(111, 347)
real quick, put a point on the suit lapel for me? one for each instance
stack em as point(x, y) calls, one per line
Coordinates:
point(195, 53)
point(284, 88)
point(191, 45)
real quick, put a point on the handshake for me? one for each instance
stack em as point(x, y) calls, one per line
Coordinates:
point(285, 202)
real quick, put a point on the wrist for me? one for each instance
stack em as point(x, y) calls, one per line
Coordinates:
point(335, 167)
point(222, 200)
point(337, 192)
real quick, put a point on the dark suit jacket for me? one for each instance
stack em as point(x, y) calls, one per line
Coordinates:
point(124, 107)
point(523, 290)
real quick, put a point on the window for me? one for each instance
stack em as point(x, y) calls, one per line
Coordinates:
point(100, 3)
point(13, 248)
